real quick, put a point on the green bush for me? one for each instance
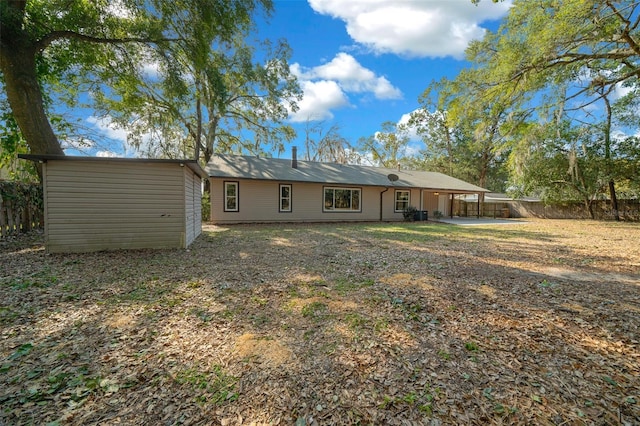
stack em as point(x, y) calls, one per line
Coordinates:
point(206, 207)
point(409, 213)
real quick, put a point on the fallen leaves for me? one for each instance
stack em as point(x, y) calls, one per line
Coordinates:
point(328, 324)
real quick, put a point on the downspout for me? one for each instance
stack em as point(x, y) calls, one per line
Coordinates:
point(385, 190)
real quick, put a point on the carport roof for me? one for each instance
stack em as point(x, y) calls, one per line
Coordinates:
point(274, 169)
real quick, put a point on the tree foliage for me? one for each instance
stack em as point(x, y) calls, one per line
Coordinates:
point(587, 49)
point(74, 47)
point(326, 144)
point(222, 101)
point(552, 91)
point(466, 127)
point(387, 146)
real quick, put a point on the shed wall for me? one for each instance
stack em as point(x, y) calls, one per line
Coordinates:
point(193, 206)
point(92, 206)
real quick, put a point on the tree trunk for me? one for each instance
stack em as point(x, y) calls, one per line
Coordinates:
point(18, 65)
point(607, 156)
point(614, 200)
point(589, 206)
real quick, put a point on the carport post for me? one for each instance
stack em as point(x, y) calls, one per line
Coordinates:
point(451, 205)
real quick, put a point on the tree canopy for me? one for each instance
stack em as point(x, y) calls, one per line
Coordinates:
point(554, 87)
point(59, 49)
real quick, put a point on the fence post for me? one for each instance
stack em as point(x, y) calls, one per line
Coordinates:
point(10, 219)
point(19, 208)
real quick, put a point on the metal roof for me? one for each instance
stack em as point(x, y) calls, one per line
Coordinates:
point(261, 168)
point(192, 164)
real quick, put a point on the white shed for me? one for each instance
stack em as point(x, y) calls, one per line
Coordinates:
point(98, 203)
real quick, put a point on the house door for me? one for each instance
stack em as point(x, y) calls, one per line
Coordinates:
point(442, 204)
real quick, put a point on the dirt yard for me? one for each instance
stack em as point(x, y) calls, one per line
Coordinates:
point(416, 323)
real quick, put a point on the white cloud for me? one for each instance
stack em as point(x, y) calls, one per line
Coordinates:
point(118, 9)
point(351, 76)
point(110, 154)
point(151, 70)
point(621, 91)
point(435, 28)
point(320, 97)
point(108, 129)
point(327, 86)
point(412, 131)
point(78, 143)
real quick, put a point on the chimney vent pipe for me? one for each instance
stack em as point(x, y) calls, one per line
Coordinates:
point(294, 157)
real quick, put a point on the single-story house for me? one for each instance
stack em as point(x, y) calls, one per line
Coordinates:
point(98, 203)
point(258, 189)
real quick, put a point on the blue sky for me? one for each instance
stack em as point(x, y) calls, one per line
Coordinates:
point(361, 62)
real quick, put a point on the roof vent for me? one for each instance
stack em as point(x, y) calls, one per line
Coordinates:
point(392, 177)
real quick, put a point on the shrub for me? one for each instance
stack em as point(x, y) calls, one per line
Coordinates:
point(206, 207)
point(409, 213)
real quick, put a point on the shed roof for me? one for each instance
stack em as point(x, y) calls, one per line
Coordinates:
point(260, 168)
point(192, 164)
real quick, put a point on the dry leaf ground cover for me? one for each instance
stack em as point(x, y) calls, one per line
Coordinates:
point(406, 323)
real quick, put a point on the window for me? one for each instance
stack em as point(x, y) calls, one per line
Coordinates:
point(231, 197)
point(402, 200)
point(342, 199)
point(285, 198)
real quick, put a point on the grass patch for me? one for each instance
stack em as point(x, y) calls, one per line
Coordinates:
point(41, 279)
point(471, 346)
point(349, 284)
point(356, 321)
point(316, 310)
point(214, 386)
point(444, 355)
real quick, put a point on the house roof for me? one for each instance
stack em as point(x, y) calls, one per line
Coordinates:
point(192, 164)
point(260, 168)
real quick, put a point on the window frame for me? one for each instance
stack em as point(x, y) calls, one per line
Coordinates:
point(341, 210)
point(396, 200)
point(281, 198)
point(226, 197)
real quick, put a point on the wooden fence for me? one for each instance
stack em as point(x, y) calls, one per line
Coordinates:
point(21, 208)
point(629, 210)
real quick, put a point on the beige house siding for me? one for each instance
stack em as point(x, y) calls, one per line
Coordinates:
point(440, 202)
point(259, 202)
point(259, 180)
point(96, 205)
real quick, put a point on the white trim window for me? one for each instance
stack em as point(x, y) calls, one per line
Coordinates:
point(337, 199)
point(403, 200)
point(231, 198)
point(285, 198)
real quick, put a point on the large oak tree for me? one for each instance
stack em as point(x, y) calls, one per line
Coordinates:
point(573, 55)
point(67, 44)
